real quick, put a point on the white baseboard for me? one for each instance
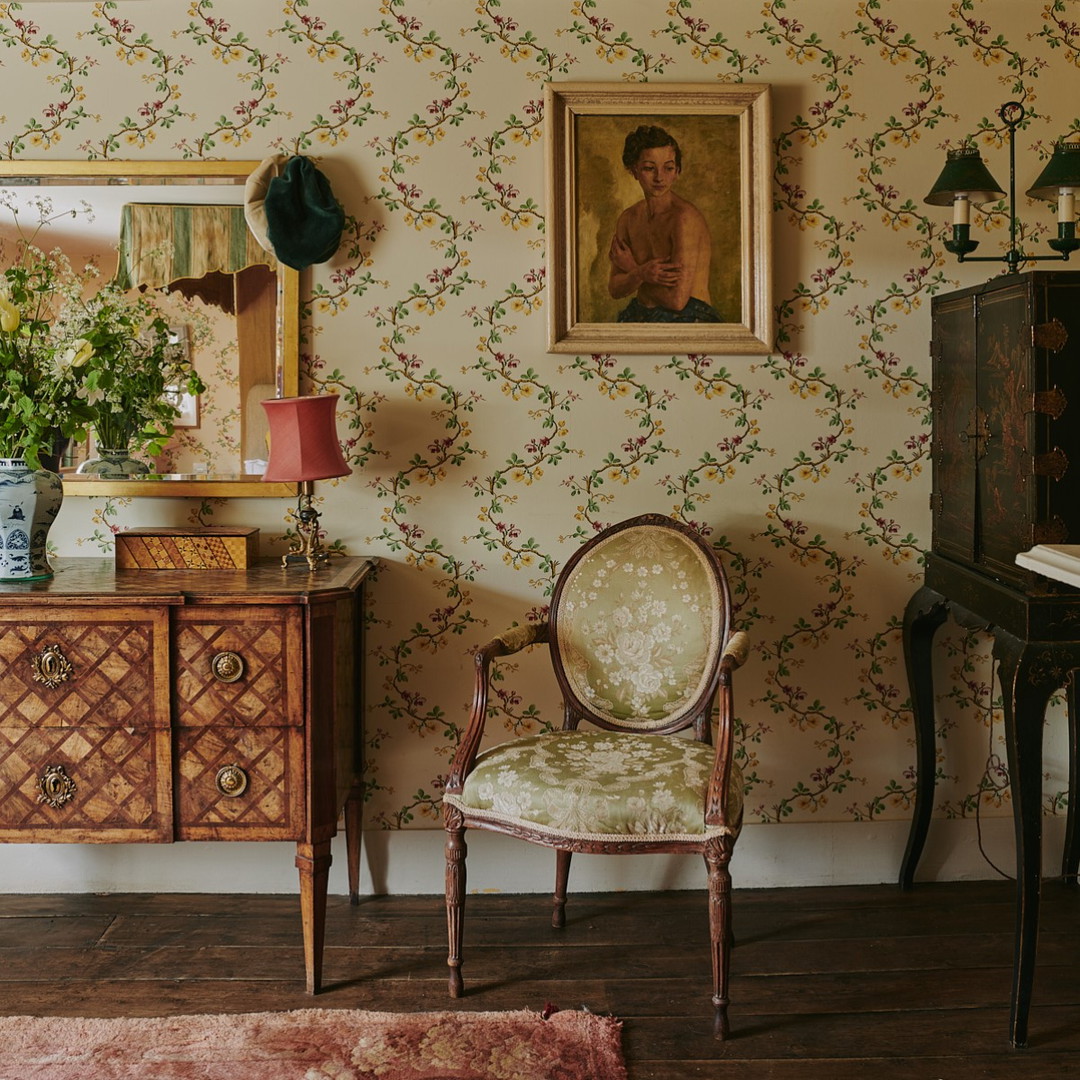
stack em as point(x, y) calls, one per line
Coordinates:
point(411, 862)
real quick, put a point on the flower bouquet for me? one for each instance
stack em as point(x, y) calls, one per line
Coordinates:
point(133, 372)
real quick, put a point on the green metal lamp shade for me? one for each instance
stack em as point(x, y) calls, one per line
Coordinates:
point(1062, 171)
point(964, 174)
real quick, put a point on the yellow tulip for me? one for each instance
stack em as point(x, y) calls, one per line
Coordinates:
point(9, 316)
point(80, 351)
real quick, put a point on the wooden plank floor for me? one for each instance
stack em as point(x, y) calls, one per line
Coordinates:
point(833, 983)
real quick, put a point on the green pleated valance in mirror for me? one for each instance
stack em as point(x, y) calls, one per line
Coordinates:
point(161, 243)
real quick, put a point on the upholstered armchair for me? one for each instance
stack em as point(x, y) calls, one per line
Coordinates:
point(640, 638)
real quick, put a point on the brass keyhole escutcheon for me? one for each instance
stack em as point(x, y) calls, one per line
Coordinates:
point(231, 780)
point(56, 787)
point(52, 667)
point(227, 666)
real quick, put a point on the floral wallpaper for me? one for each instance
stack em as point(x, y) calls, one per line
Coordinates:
point(481, 461)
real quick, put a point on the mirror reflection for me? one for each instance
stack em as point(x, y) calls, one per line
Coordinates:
point(178, 229)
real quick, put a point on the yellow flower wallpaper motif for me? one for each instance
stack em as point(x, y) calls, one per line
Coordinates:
point(479, 460)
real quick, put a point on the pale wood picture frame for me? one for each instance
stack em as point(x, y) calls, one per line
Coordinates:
point(723, 131)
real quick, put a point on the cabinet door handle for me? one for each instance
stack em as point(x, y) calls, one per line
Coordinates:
point(231, 780)
point(227, 666)
point(52, 667)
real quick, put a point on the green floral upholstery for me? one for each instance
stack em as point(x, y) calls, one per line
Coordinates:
point(637, 624)
point(595, 784)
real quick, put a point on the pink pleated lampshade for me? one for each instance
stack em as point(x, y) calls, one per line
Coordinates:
point(303, 439)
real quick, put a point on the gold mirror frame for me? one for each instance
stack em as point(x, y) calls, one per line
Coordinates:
point(287, 330)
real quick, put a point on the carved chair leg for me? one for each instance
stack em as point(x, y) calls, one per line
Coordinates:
point(717, 856)
point(562, 876)
point(456, 850)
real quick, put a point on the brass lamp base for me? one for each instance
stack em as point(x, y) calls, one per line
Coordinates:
point(307, 547)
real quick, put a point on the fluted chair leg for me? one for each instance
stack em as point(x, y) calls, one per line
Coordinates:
point(456, 850)
point(717, 856)
point(562, 876)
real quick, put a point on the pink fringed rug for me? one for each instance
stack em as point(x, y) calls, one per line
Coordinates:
point(315, 1044)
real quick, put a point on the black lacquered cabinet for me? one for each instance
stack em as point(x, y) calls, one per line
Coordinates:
point(1006, 410)
point(1006, 477)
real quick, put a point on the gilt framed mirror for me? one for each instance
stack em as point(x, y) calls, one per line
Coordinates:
point(178, 227)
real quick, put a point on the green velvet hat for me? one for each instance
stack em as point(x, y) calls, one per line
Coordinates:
point(304, 221)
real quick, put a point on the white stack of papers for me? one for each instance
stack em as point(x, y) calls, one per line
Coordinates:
point(1058, 561)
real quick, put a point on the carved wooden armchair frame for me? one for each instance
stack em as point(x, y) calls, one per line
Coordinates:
point(657, 662)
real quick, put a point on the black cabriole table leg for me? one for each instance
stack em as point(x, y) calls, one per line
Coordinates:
point(925, 612)
point(1070, 859)
point(1027, 681)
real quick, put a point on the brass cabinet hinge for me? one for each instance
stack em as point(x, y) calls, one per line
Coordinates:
point(1050, 335)
point(1054, 531)
point(1052, 403)
point(1055, 464)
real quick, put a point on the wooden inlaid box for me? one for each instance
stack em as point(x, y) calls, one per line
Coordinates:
point(215, 547)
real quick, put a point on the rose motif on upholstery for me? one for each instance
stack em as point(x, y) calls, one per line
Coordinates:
point(633, 648)
point(638, 654)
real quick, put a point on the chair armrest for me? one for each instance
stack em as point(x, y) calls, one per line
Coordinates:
point(514, 640)
point(508, 642)
point(735, 651)
point(734, 655)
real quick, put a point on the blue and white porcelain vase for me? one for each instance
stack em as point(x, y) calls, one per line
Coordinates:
point(29, 502)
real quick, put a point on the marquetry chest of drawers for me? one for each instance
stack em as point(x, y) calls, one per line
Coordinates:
point(157, 706)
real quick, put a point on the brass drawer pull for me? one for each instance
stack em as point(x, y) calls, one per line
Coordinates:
point(56, 787)
point(227, 666)
point(231, 780)
point(52, 667)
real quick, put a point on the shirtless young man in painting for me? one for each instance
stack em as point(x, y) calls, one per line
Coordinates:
point(661, 249)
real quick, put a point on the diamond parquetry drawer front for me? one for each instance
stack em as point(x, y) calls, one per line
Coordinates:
point(238, 676)
point(85, 745)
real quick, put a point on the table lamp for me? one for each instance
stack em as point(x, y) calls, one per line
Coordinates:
point(304, 448)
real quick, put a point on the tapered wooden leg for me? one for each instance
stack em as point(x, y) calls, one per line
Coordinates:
point(354, 833)
point(717, 857)
point(313, 862)
point(925, 612)
point(562, 876)
point(456, 851)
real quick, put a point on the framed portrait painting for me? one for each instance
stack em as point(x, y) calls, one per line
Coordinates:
point(658, 213)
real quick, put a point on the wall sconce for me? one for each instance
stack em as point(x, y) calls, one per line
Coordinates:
point(304, 448)
point(966, 180)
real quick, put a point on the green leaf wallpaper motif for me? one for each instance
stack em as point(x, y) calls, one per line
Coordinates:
point(481, 461)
